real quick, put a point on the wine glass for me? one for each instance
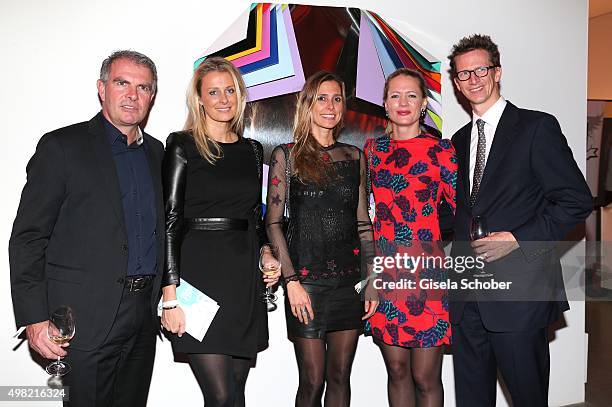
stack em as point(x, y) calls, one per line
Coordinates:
point(269, 270)
point(60, 330)
point(478, 230)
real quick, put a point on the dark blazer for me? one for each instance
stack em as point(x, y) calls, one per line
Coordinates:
point(532, 187)
point(69, 244)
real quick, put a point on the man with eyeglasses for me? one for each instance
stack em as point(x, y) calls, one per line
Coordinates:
point(517, 171)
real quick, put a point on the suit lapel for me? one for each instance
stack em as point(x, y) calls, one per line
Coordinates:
point(106, 166)
point(506, 129)
point(462, 148)
point(154, 160)
point(155, 168)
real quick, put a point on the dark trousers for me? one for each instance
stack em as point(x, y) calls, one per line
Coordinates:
point(118, 373)
point(522, 358)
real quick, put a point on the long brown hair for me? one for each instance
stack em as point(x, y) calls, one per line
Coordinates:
point(306, 153)
point(196, 118)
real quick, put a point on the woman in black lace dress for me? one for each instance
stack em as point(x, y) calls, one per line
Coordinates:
point(212, 188)
point(328, 231)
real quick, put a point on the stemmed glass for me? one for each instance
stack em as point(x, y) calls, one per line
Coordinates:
point(269, 270)
point(61, 329)
point(478, 230)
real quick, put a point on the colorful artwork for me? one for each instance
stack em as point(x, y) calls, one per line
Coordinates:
point(276, 46)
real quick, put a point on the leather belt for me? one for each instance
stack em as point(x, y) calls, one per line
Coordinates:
point(137, 283)
point(216, 224)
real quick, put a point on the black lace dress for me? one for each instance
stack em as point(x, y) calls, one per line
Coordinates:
point(328, 230)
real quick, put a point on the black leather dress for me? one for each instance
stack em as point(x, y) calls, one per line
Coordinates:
point(220, 258)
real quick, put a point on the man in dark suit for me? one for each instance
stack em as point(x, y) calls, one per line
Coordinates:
point(517, 171)
point(89, 234)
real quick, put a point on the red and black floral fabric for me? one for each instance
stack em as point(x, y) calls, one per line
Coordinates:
point(409, 179)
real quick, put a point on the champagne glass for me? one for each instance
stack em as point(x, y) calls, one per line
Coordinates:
point(478, 230)
point(61, 329)
point(269, 270)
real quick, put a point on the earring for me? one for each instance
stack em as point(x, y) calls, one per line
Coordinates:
point(386, 114)
point(423, 113)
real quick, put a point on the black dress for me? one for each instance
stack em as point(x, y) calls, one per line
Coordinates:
point(223, 264)
point(329, 228)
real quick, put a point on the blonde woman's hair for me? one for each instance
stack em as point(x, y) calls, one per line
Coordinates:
point(422, 86)
point(196, 118)
point(308, 163)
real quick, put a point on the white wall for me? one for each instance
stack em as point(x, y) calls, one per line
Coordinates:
point(51, 52)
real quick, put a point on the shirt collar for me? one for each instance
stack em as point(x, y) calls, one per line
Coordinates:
point(493, 114)
point(114, 134)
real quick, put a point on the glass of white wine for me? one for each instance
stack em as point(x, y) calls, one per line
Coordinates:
point(61, 329)
point(269, 269)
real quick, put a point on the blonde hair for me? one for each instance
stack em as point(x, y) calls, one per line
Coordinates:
point(422, 86)
point(196, 117)
point(309, 166)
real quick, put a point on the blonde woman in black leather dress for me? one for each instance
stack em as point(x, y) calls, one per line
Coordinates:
point(212, 185)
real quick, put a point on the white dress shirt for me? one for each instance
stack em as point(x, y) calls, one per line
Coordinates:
point(491, 119)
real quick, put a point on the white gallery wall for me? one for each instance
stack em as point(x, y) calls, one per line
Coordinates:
point(51, 53)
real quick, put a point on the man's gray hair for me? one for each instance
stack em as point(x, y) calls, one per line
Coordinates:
point(132, 56)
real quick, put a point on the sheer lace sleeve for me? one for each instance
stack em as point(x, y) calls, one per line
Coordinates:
point(364, 223)
point(367, 151)
point(275, 210)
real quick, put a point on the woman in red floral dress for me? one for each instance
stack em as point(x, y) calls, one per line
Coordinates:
point(412, 172)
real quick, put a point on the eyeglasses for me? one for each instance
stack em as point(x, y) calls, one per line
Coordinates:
point(480, 72)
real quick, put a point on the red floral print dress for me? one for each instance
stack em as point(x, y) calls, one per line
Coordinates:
point(409, 178)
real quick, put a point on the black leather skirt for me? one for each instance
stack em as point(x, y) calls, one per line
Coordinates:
point(336, 305)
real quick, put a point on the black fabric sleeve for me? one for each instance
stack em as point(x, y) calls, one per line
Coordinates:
point(258, 210)
point(39, 208)
point(275, 210)
point(565, 190)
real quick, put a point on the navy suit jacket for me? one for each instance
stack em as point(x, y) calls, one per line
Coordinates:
point(531, 187)
point(69, 243)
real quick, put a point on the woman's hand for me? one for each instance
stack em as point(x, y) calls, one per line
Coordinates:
point(269, 262)
point(371, 299)
point(300, 302)
point(173, 320)
point(370, 308)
